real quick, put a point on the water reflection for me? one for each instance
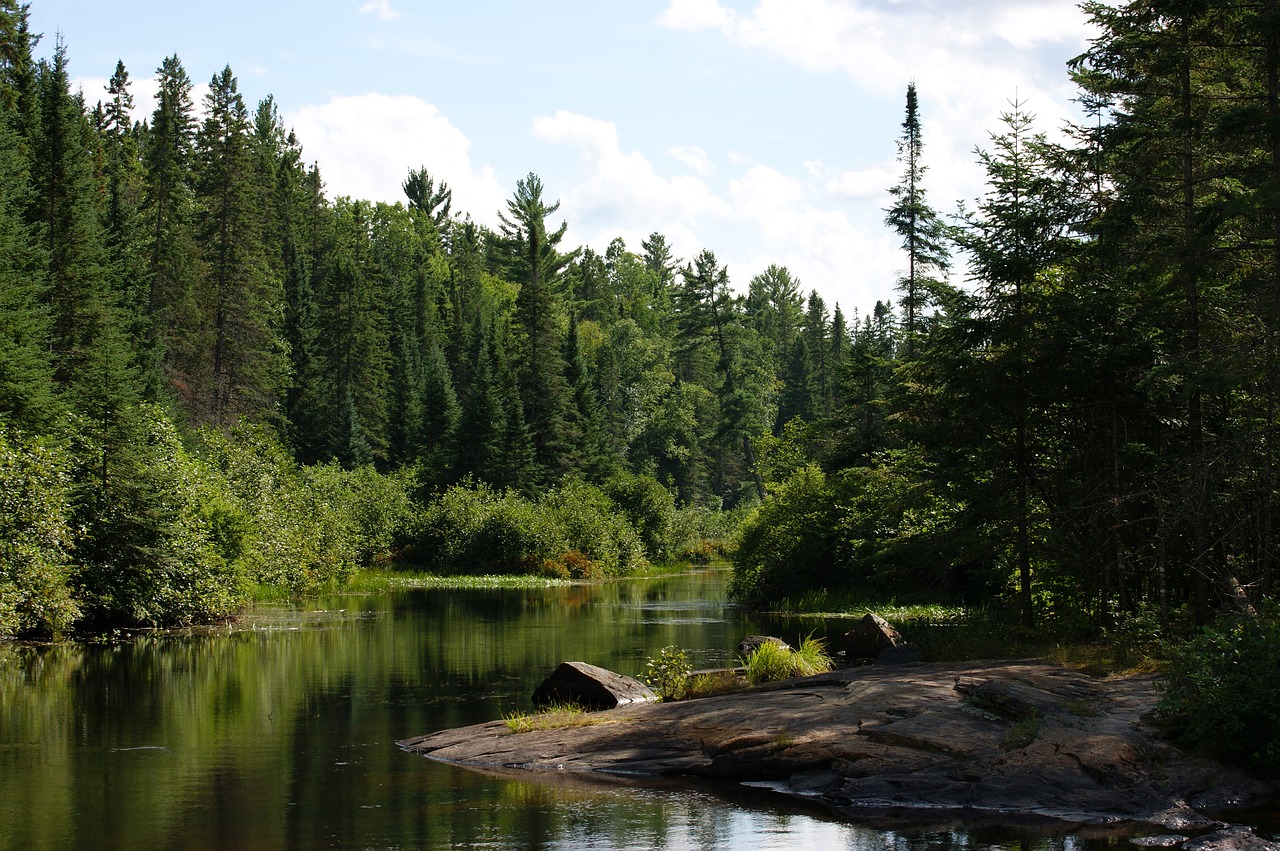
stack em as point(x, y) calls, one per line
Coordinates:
point(280, 733)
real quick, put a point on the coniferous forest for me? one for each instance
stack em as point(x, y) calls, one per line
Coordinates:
point(214, 377)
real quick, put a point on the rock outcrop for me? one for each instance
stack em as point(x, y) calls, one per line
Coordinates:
point(1007, 742)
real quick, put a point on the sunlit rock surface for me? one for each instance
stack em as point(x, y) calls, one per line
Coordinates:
point(1009, 742)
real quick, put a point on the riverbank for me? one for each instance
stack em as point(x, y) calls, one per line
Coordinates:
point(1009, 742)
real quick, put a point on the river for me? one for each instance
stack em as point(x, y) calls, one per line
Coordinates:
point(279, 732)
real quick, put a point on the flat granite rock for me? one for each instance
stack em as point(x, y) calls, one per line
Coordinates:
point(873, 742)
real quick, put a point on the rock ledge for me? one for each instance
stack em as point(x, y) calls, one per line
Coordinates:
point(1005, 742)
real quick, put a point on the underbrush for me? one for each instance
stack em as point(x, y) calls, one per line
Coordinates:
point(670, 676)
point(1219, 693)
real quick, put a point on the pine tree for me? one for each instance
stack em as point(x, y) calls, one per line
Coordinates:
point(536, 264)
point(125, 231)
point(923, 233)
point(711, 343)
point(483, 422)
point(27, 398)
point(176, 338)
point(1018, 234)
point(428, 199)
point(241, 301)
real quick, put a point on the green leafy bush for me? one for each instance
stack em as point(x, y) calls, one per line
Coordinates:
point(1220, 693)
point(668, 675)
point(574, 530)
point(649, 507)
point(786, 546)
point(35, 537)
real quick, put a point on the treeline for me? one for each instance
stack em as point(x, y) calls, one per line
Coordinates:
point(1077, 409)
point(208, 366)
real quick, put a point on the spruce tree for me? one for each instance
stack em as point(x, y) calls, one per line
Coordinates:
point(922, 231)
point(536, 264)
point(240, 300)
point(176, 336)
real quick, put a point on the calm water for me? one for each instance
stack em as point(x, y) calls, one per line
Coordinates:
point(280, 733)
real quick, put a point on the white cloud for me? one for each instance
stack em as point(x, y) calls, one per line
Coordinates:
point(621, 189)
point(696, 15)
point(692, 156)
point(758, 217)
point(381, 8)
point(864, 184)
point(967, 57)
point(366, 144)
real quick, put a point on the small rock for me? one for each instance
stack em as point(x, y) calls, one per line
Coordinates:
point(870, 637)
point(590, 687)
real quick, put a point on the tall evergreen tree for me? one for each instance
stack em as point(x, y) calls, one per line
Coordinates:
point(1018, 235)
point(922, 231)
point(176, 335)
point(536, 264)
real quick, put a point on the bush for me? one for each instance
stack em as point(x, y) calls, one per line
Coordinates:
point(651, 510)
point(1219, 694)
point(308, 527)
point(573, 531)
point(787, 546)
point(35, 538)
point(668, 675)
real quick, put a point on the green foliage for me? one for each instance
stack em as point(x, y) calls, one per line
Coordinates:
point(649, 507)
point(574, 530)
point(668, 675)
point(787, 545)
point(35, 537)
point(549, 718)
point(304, 528)
point(1219, 693)
point(772, 662)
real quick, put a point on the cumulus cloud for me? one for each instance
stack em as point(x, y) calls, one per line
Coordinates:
point(622, 189)
point(366, 144)
point(692, 156)
point(969, 58)
point(382, 9)
point(757, 217)
point(696, 15)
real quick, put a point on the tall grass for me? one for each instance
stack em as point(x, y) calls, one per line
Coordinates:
point(772, 662)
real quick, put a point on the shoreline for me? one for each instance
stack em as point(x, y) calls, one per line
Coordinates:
point(1009, 742)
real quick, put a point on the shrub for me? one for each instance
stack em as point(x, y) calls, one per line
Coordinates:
point(650, 508)
point(1219, 694)
point(35, 537)
point(574, 531)
point(786, 546)
point(668, 675)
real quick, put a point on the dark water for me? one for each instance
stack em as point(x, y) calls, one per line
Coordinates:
point(280, 733)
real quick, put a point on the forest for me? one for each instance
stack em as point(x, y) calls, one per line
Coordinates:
point(214, 378)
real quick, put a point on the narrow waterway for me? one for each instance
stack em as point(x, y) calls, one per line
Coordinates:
point(280, 732)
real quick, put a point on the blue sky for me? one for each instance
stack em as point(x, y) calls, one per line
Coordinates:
point(762, 129)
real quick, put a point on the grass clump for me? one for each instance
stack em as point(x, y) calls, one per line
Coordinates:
point(1023, 733)
point(548, 718)
point(772, 662)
